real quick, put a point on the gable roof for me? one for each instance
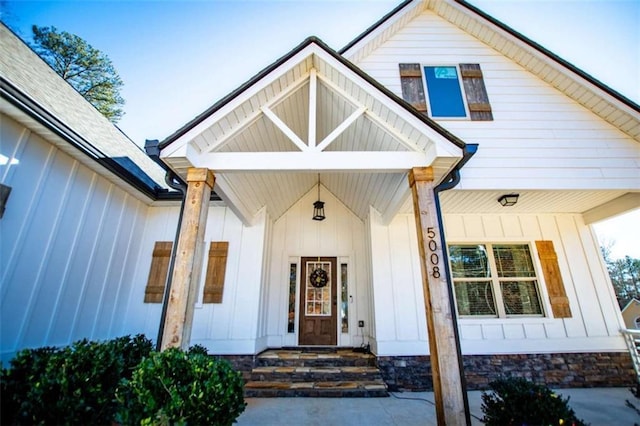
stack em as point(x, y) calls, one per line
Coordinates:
point(310, 112)
point(34, 95)
point(607, 103)
point(278, 63)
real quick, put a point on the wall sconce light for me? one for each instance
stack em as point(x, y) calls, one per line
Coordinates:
point(318, 206)
point(508, 200)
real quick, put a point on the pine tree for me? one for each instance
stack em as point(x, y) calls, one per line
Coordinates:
point(87, 69)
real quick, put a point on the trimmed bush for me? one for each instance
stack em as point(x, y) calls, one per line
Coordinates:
point(70, 385)
point(516, 401)
point(176, 387)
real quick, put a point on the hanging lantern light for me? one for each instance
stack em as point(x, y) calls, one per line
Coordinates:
point(318, 206)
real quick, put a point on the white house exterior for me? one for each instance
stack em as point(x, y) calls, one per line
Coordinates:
point(530, 288)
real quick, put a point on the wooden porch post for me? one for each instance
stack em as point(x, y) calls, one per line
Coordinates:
point(188, 261)
point(450, 398)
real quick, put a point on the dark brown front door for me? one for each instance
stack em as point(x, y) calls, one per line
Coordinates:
point(318, 316)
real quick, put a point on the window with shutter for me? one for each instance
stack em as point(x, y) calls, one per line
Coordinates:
point(216, 269)
point(452, 91)
point(494, 280)
point(154, 292)
point(553, 279)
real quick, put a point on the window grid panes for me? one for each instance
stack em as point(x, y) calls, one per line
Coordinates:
point(494, 280)
point(344, 312)
point(318, 299)
point(291, 319)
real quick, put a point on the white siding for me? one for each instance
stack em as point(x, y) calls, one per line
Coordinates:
point(401, 327)
point(296, 235)
point(229, 327)
point(397, 290)
point(539, 139)
point(75, 253)
point(68, 247)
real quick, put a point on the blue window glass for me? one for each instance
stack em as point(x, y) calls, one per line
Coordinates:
point(445, 96)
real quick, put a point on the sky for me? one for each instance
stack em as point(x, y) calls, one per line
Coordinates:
point(177, 58)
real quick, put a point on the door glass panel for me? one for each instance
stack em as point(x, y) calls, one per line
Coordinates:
point(344, 312)
point(293, 273)
point(318, 289)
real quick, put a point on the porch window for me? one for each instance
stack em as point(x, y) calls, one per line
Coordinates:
point(344, 311)
point(291, 318)
point(494, 280)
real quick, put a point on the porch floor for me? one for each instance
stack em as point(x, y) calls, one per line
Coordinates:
point(315, 372)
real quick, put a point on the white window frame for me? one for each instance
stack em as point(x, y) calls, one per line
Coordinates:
point(467, 116)
point(496, 280)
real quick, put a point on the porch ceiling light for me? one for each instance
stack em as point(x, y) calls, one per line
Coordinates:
point(508, 200)
point(318, 206)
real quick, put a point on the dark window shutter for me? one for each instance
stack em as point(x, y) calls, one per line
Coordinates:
point(553, 279)
point(412, 86)
point(476, 92)
point(154, 291)
point(216, 268)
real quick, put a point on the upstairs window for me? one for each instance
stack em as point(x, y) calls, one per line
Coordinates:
point(453, 91)
point(444, 92)
point(494, 280)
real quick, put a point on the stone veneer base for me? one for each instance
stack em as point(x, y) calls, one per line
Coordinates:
point(557, 370)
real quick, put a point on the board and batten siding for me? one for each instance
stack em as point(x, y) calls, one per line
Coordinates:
point(595, 321)
point(539, 138)
point(69, 245)
point(229, 327)
point(295, 235)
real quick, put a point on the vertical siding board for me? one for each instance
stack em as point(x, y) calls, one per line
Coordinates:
point(28, 183)
point(403, 282)
point(603, 287)
point(49, 213)
point(80, 328)
point(118, 313)
point(67, 247)
point(585, 291)
point(112, 264)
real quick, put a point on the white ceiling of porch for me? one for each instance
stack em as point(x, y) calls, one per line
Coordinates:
point(312, 107)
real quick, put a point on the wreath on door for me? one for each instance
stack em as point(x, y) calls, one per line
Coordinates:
point(318, 278)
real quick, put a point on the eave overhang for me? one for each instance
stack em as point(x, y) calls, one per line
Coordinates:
point(312, 112)
point(583, 88)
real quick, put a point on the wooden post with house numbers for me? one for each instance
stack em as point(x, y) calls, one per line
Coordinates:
point(449, 391)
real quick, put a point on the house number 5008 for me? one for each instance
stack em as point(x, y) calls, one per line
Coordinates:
point(433, 257)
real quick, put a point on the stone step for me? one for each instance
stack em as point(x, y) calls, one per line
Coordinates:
point(315, 374)
point(314, 358)
point(331, 389)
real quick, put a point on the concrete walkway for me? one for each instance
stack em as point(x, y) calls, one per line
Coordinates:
point(601, 406)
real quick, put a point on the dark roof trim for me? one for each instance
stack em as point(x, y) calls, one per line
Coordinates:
point(618, 96)
point(23, 102)
point(551, 55)
point(311, 40)
point(374, 26)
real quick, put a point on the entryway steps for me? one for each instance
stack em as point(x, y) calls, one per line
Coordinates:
point(315, 372)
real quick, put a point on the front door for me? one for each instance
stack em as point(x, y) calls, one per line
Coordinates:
point(318, 306)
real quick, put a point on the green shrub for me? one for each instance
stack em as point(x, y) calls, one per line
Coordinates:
point(176, 387)
point(516, 401)
point(70, 385)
